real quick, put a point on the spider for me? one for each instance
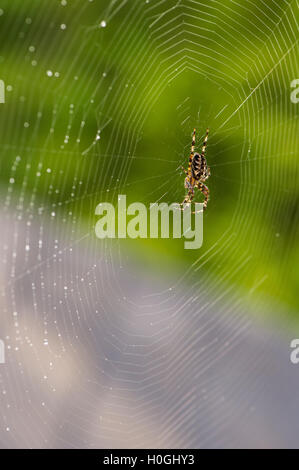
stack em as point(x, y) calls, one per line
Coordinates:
point(198, 172)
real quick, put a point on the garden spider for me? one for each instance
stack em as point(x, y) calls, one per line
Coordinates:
point(197, 173)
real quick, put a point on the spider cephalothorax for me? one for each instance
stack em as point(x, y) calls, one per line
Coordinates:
point(198, 172)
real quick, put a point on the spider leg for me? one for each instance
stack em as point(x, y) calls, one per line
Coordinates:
point(192, 153)
point(203, 150)
point(193, 141)
point(188, 198)
point(189, 164)
point(205, 191)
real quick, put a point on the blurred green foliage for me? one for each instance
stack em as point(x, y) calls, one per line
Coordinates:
point(145, 80)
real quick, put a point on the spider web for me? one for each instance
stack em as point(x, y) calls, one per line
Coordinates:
point(130, 343)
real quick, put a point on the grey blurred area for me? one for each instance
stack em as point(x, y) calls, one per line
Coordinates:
point(100, 353)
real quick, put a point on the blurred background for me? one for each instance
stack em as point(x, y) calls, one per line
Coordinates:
point(141, 343)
